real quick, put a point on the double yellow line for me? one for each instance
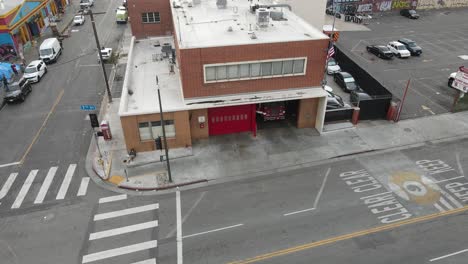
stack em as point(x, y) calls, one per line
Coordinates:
point(331, 240)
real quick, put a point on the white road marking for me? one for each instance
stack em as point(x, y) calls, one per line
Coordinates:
point(45, 185)
point(128, 211)
point(171, 233)
point(83, 186)
point(10, 164)
point(457, 157)
point(6, 187)
point(24, 190)
point(453, 200)
point(439, 207)
point(123, 230)
point(113, 198)
point(321, 188)
point(148, 261)
point(90, 65)
point(458, 177)
point(66, 182)
point(214, 230)
point(445, 203)
point(119, 251)
point(449, 255)
point(301, 211)
point(180, 257)
point(377, 194)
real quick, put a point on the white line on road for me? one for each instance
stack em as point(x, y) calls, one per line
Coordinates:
point(214, 230)
point(148, 261)
point(128, 211)
point(454, 178)
point(460, 168)
point(301, 211)
point(24, 190)
point(449, 255)
point(439, 207)
point(66, 182)
point(180, 257)
point(171, 233)
point(377, 194)
point(10, 164)
point(119, 251)
point(6, 187)
point(321, 188)
point(113, 198)
point(45, 185)
point(83, 186)
point(123, 230)
point(445, 203)
point(453, 200)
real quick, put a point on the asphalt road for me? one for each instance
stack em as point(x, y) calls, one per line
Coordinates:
point(231, 223)
point(443, 36)
point(46, 197)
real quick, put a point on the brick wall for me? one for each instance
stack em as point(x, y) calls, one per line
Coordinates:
point(142, 30)
point(192, 61)
point(132, 134)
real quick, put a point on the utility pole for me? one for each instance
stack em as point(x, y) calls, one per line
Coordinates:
point(180, 257)
point(403, 100)
point(324, 81)
point(164, 133)
point(100, 55)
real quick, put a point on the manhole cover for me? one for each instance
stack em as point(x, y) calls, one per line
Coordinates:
point(407, 129)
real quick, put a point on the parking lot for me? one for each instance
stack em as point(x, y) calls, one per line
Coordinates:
point(442, 35)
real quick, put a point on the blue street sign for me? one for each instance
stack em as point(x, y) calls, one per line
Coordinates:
point(88, 107)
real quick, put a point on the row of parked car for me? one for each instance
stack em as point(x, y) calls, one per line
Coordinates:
point(403, 48)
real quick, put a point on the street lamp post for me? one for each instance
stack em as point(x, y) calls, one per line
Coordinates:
point(164, 133)
point(100, 55)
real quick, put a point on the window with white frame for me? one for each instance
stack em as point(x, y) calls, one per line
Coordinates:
point(152, 130)
point(254, 70)
point(150, 17)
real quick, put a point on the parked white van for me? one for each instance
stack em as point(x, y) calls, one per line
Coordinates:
point(50, 50)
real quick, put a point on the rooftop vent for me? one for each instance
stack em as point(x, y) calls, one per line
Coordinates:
point(221, 4)
point(263, 17)
point(276, 15)
point(166, 49)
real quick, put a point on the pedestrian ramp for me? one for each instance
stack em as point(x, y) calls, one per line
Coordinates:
point(122, 230)
point(37, 186)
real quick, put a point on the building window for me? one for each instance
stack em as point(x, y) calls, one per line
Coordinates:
point(151, 17)
point(254, 70)
point(152, 130)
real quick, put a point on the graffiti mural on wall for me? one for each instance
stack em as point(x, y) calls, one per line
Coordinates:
point(428, 4)
point(384, 6)
point(365, 8)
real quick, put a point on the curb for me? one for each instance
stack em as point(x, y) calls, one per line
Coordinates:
point(163, 187)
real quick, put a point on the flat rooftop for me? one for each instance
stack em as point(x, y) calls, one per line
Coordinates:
point(146, 61)
point(202, 24)
point(9, 5)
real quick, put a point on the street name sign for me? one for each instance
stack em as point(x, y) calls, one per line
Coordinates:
point(88, 107)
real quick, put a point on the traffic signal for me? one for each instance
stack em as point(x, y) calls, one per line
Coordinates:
point(94, 120)
point(336, 35)
point(158, 143)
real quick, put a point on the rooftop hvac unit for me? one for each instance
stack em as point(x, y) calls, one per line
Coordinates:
point(166, 49)
point(263, 17)
point(221, 3)
point(276, 15)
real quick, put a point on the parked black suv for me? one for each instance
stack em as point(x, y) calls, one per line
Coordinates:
point(18, 91)
point(409, 13)
point(380, 51)
point(345, 81)
point(411, 46)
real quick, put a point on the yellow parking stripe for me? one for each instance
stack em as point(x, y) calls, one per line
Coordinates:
point(348, 236)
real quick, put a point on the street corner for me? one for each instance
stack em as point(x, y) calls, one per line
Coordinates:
point(102, 167)
point(116, 179)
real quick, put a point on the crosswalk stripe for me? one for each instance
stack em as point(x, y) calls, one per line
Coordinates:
point(83, 186)
point(113, 198)
point(45, 185)
point(6, 187)
point(123, 230)
point(66, 182)
point(119, 251)
point(148, 261)
point(24, 190)
point(128, 211)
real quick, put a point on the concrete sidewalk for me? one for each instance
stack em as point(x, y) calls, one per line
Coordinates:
point(241, 155)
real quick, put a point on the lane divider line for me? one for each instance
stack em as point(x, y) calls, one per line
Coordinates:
point(113, 198)
point(331, 240)
point(214, 230)
point(449, 255)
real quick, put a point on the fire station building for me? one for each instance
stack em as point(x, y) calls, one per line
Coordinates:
point(226, 63)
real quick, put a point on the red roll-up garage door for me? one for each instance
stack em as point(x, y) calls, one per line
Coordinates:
point(231, 119)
